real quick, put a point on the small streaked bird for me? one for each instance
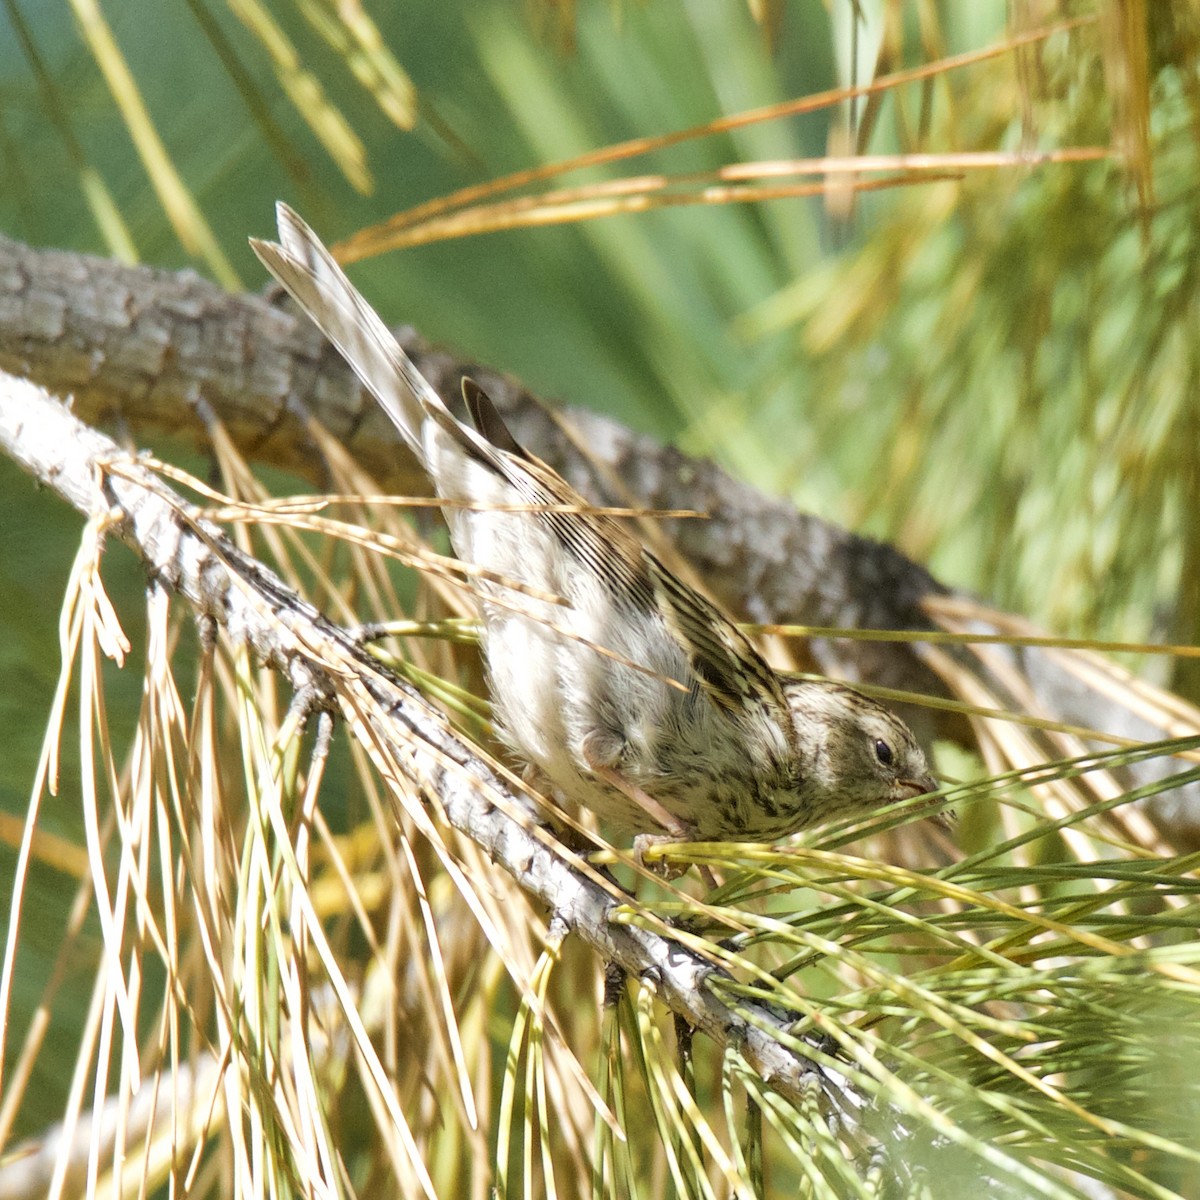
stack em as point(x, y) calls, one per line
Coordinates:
point(627, 690)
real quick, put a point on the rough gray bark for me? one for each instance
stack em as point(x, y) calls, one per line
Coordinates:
point(164, 350)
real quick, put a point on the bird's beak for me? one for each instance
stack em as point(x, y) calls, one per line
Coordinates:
point(908, 789)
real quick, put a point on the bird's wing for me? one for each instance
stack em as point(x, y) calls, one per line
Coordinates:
point(728, 667)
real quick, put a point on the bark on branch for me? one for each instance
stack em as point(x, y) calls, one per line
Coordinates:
point(163, 350)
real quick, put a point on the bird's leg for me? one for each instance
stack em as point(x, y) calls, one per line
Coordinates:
point(676, 830)
point(663, 869)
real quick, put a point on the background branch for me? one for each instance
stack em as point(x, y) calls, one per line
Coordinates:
point(162, 350)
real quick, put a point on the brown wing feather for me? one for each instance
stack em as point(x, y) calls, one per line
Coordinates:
point(599, 542)
point(488, 421)
point(728, 667)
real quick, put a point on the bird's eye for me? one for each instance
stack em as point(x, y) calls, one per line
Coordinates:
point(883, 752)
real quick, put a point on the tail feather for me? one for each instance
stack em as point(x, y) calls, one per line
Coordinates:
point(315, 281)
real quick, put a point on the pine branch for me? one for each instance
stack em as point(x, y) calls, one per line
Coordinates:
point(190, 556)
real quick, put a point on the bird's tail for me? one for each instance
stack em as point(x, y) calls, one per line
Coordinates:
point(308, 271)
